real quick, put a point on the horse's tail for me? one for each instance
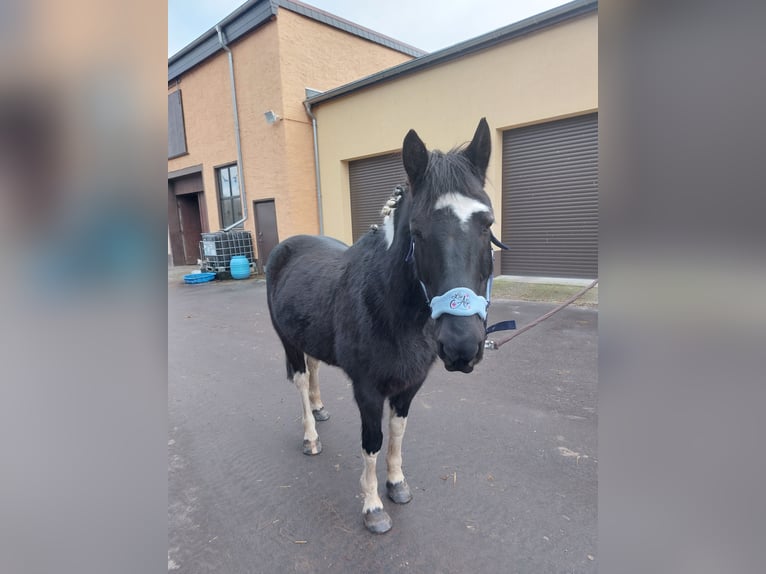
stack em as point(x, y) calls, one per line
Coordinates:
point(278, 259)
point(275, 263)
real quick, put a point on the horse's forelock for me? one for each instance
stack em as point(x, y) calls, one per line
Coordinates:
point(451, 172)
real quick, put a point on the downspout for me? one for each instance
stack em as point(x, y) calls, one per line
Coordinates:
point(316, 165)
point(241, 176)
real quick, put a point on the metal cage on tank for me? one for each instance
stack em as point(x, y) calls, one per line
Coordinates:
point(218, 248)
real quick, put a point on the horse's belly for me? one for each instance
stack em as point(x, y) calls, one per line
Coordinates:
point(309, 333)
point(301, 307)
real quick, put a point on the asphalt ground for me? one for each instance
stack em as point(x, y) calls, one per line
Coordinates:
point(502, 462)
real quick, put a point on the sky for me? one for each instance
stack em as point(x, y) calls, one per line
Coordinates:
point(426, 24)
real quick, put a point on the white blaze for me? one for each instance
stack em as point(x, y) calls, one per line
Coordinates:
point(462, 206)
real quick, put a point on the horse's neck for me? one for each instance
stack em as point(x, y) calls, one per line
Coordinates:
point(403, 289)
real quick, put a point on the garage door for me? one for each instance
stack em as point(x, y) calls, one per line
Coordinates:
point(371, 182)
point(550, 199)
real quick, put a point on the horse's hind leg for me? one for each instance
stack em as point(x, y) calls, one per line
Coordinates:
point(311, 442)
point(296, 369)
point(396, 486)
point(317, 407)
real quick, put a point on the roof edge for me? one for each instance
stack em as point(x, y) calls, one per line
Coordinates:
point(254, 13)
point(350, 27)
point(223, 23)
point(535, 23)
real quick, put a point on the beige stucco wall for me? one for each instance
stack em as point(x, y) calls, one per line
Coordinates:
point(273, 65)
point(550, 74)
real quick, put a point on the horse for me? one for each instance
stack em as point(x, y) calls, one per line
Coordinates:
point(386, 307)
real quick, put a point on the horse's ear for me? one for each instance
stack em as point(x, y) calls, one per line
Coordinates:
point(414, 156)
point(479, 149)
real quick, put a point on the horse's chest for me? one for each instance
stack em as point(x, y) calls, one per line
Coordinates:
point(413, 357)
point(393, 364)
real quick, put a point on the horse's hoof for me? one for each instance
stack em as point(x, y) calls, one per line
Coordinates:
point(321, 414)
point(377, 521)
point(312, 447)
point(399, 492)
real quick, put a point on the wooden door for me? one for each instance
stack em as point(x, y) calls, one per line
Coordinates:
point(174, 227)
point(266, 235)
point(190, 226)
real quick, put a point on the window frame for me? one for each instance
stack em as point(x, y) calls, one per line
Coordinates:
point(231, 199)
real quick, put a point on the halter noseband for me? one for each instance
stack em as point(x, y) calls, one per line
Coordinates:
point(461, 301)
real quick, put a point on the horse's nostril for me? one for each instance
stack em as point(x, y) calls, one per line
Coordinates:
point(460, 342)
point(458, 352)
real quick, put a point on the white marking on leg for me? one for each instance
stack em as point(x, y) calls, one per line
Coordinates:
point(462, 206)
point(369, 482)
point(301, 381)
point(314, 397)
point(396, 428)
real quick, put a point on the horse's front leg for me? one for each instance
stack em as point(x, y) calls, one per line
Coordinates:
point(396, 485)
point(370, 403)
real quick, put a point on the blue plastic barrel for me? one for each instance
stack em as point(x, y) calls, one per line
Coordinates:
point(240, 267)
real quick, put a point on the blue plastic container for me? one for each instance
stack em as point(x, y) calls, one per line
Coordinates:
point(240, 267)
point(198, 277)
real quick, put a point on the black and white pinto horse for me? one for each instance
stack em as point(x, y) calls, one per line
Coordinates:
point(386, 307)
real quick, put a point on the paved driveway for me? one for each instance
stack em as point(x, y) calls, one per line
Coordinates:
point(502, 462)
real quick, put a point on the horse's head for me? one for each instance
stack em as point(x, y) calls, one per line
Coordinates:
point(450, 224)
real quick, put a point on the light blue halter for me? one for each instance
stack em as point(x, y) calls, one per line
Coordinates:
point(460, 301)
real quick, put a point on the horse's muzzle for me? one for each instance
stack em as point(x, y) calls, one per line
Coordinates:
point(460, 342)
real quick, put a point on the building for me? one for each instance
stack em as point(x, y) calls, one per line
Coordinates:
point(536, 82)
point(264, 56)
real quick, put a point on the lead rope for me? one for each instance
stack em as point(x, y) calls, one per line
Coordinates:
point(495, 345)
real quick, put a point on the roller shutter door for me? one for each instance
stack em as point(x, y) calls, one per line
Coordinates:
point(550, 199)
point(371, 182)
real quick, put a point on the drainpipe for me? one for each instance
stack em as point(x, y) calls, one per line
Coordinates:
point(236, 131)
point(316, 165)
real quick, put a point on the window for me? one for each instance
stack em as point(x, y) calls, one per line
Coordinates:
point(228, 195)
point(176, 129)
